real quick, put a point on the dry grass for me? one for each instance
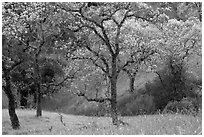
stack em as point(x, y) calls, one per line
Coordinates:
point(50, 123)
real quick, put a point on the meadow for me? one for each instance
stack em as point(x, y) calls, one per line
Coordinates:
point(62, 124)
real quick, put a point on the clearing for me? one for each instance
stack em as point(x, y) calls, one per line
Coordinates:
point(51, 123)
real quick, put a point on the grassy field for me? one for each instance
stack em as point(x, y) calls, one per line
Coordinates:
point(50, 123)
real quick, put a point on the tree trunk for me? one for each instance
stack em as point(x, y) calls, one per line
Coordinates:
point(113, 81)
point(12, 113)
point(34, 99)
point(24, 99)
point(39, 104)
point(38, 84)
point(132, 82)
point(114, 114)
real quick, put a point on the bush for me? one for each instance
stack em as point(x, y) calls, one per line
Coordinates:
point(159, 92)
point(141, 104)
point(173, 82)
point(185, 106)
point(104, 109)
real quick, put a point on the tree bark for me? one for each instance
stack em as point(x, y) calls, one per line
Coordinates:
point(131, 76)
point(38, 81)
point(39, 104)
point(12, 113)
point(132, 82)
point(114, 114)
point(11, 108)
point(113, 81)
point(24, 99)
point(34, 99)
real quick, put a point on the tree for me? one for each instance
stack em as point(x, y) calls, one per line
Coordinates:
point(21, 81)
point(14, 55)
point(179, 10)
point(141, 47)
point(35, 28)
point(100, 27)
point(8, 65)
point(179, 40)
point(46, 47)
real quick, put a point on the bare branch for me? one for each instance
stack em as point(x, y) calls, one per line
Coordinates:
point(160, 79)
point(94, 62)
point(101, 57)
point(139, 60)
point(107, 41)
point(99, 100)
point(60, 83)
point(17, 63)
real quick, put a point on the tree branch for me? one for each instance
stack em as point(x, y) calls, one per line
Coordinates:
point(101, 57)
point(139, 60)
point(160, 79)
point(105, 39)
point(12, 67)
point(94, 62)
point(60, 83)
point(99, 100)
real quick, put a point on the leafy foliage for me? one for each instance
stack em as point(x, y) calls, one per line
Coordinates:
point(185, 106)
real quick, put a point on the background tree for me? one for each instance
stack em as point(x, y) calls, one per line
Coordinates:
point(140, 39)
point(47, 47)
point(179, 10)
point(179, 42)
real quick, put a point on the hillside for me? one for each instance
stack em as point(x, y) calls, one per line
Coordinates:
point(68, 103)
point(50, 123)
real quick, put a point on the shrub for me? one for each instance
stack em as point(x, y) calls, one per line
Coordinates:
point(104, 109)
point(141, 104)
point(185, 106)
point(173, 82)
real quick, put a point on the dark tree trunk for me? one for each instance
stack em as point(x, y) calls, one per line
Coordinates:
point(39, 104)
point(131, 76)
point(24, 99)
point(132, 81)
point(34, 99)
point(113, 81)
point(114, 114)
point(38, 91)
point(12, 113)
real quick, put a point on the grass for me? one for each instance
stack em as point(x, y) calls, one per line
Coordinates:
point(50, 123)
